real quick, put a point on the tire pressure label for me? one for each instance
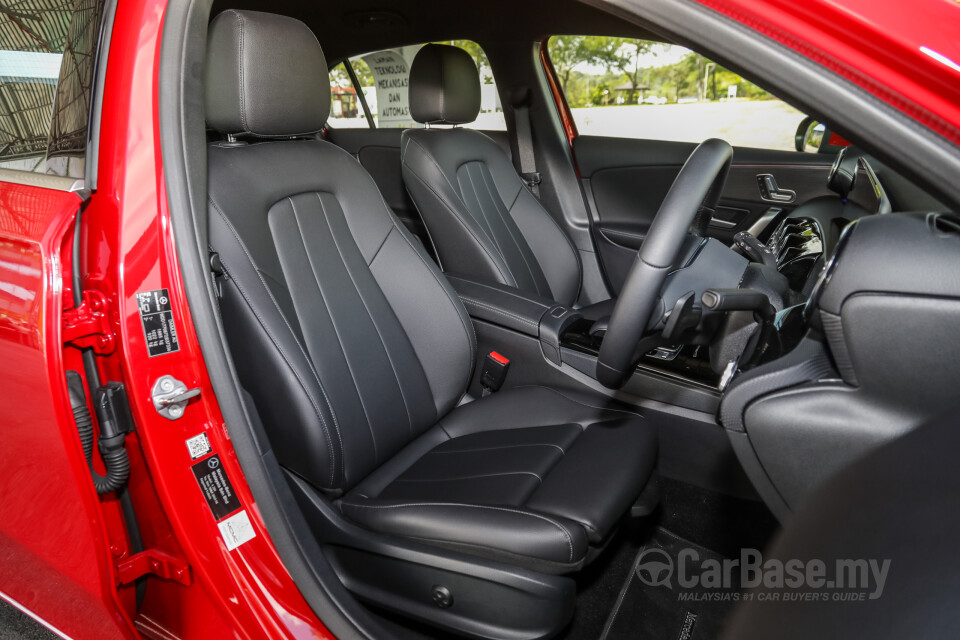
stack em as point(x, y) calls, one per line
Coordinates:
point(216, 487)
point(156, 316)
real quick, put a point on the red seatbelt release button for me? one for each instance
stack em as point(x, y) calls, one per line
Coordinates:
point(494, 372)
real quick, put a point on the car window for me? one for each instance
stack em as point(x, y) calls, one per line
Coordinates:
point(641, 89)
point(47, 51)
point(383, 78)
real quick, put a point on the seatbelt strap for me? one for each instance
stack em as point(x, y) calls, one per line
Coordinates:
point(525, 161)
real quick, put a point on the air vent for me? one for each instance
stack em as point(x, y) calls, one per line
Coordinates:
point(798, 245)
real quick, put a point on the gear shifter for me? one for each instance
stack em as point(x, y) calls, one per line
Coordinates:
point(754, 249)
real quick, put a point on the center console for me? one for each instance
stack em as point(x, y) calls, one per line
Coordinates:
point(560, 338)
point(551, 343)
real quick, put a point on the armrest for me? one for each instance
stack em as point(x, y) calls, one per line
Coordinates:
point(525, 313)
point(502, 305)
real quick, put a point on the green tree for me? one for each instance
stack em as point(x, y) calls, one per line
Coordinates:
point(624, 56)
point(601, 95)
point(566, 52)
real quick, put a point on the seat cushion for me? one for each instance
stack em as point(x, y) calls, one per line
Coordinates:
point(531, 475)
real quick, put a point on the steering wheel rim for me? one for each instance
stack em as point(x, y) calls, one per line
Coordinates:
point(690, 202)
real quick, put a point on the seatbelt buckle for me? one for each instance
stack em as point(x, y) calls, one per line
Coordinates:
point(530, 179)
point(494, 372)
point(216, 268)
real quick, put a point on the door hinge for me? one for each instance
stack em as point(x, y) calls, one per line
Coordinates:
point(154, 562)
point(88, 325)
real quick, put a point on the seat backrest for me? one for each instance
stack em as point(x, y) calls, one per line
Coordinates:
point(346, 335)
point(483, 220)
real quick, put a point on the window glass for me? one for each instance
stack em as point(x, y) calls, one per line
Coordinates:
point(346, 110)
point(47, 52)
point(640, 89)
point(384, 78)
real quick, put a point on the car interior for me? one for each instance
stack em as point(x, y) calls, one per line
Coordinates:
point(484, 370)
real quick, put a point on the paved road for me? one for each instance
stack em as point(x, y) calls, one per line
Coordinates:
point(767, 124)
point(17, 626)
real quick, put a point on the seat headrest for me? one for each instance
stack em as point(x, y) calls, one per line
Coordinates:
point(444, 86)
point(265, 76)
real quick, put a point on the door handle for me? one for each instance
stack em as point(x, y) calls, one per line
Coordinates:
point(771, 191)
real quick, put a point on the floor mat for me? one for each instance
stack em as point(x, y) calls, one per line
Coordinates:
point(676, 590)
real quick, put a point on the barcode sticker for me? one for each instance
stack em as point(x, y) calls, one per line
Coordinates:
point(198, 446)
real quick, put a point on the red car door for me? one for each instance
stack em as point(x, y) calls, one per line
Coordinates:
point(52, 536)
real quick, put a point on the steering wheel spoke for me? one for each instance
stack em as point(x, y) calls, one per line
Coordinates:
point(692, 197)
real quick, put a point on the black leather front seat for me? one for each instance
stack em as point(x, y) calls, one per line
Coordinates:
point(482, 219)
point(356, 351)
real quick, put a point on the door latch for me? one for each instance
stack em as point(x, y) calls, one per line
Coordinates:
point(170, 397)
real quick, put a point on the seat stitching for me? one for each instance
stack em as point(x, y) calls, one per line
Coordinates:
point(484, 219)
point(507, 314)
point(464, 224)
point(383, 243)
point(584, 404)
point(506, 446)
point(460, 311)
point(563, 529)
point(452, 210)
point(243, 103)
point(336, 332)
point(573, 248)
point(475, 477)
point(276, 305)
point(481, 221)
point(512, 235)
point(279, 347)
point(429, 157)
point(372, 320)
point(316, 410)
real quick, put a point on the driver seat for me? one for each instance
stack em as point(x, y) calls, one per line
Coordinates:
point(484, 222)
point(356, 351)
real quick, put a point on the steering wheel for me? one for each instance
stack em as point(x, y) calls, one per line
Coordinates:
point(690, 203)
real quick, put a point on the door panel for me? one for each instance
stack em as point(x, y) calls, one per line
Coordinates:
point(625, 181)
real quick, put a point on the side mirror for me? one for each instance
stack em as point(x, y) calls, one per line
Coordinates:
point(814, 136)
point(810, 134)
